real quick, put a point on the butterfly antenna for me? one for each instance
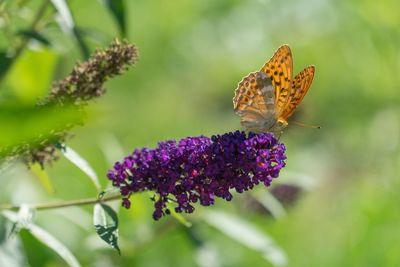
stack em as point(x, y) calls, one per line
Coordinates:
point(306, 125)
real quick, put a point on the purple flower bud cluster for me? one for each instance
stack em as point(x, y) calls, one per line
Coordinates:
point(199, 169)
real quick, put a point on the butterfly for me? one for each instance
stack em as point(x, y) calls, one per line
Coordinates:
point(265, 99)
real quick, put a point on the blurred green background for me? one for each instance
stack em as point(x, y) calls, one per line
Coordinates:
point(192, 55)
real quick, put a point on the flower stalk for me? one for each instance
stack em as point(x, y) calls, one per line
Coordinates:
point(63, 204)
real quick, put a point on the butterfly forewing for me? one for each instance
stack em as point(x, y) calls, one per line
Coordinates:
point(280, 70)
point(300, 85)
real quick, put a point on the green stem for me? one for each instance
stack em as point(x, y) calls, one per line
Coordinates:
point(69, 203)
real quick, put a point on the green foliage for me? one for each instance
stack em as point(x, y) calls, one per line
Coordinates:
point(117, 8)
point(36, 81)
point(34, 35)
point(105, 221)
point(248, 235)
point(82, 164)
point(67, 23)
point(43, 177)
point(23, 220)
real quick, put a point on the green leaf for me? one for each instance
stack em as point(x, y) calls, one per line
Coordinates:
point(82, 164)
point(179, 217)
point(24, 221)
point(5, 61)
point(81, 42)
point(29, 83)
point(117, 9)
point(53, 243)
point(39, 125)
point(64, 13)
point(3, 229)
point(43, 177)
point(11, 251)
point(68, 24)
point(268, 201)
point(105, 221)
point(207, 255)
point(304, 181)
point(248, 235)
point(29, 34)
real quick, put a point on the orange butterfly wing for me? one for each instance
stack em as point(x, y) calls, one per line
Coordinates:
point(254, 100)
point(300, 85)
point(280, 70)
point(261, 102)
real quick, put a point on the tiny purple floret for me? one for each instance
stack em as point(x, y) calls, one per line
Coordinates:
point(199, 169)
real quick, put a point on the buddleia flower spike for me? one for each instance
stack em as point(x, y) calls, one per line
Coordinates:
point(199, 169)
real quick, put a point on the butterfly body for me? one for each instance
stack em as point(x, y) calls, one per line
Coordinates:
point(264, 100)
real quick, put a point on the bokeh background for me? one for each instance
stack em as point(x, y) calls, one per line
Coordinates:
point(192, 55)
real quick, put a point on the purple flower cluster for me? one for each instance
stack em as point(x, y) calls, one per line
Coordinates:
point(198, 169)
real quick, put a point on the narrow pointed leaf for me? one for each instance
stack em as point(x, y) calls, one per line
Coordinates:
point(105, 221)
point(44, 178)
point(304, 181)
point(46, 238)
point(83, 47)
point(53, 243)
point(30, 34)
point(82, 164)
point(117, 9)
point(67, 23)
point(247, 234)
point(64, 13)
point(207, 255)
point(11, 252)
point(268, 201)
point(5, 63)
point(179, 217)
point(21, 220)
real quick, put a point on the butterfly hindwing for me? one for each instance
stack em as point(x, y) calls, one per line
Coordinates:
point(280, 70)
point(254, 100)
point(300, 85)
